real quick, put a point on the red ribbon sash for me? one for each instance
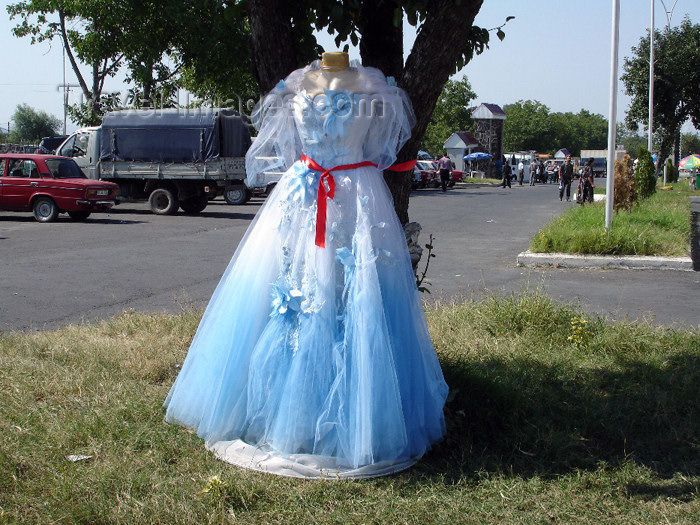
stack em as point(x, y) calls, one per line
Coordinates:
point(329, 191)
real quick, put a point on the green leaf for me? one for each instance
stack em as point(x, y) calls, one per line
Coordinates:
point(398, 16)
point(500, 34)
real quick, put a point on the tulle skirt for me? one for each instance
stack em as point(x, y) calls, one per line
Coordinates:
point(316, 362)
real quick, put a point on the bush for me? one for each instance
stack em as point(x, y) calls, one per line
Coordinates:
point(625, 194)
point(671, 172)
point(645, 175)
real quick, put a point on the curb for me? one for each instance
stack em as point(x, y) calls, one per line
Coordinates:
point(608, 262)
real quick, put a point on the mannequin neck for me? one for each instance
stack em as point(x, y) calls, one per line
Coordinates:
point(335, 61)
point(335, 74)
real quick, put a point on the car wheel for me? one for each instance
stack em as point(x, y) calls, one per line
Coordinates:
point(435, 184)
point(163, 202)
point(194, 205)
point(236, 195)
point(79, 215)
point(45, 209)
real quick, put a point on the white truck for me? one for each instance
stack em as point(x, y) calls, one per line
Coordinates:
point(174, 158)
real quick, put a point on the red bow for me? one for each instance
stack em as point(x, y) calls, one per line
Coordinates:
point(328, 193)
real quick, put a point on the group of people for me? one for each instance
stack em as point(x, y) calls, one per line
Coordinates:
point(566, 177)
point(586, 182)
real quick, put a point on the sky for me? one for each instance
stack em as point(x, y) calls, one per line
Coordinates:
point(557, 52)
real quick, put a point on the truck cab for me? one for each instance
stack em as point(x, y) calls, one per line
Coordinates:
point(82, 146)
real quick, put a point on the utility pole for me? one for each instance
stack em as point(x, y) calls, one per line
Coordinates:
point(651, 78)
point(612, 115)
point(66, 90)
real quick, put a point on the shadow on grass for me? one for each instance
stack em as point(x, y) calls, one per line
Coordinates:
point(527, 419)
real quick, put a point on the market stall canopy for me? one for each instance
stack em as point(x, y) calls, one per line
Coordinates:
point(690, 162)
point(477, 155)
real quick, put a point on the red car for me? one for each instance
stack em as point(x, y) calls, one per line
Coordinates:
point(48, 185)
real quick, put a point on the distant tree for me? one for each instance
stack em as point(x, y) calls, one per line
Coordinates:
point(80, 27)
point(690, 144)
point(630, 139)
point(645, 176)
point(31, 125)
point(527, 127)
point(676, 83)
point(452, 113)
point(590, 131)
point(105, 36)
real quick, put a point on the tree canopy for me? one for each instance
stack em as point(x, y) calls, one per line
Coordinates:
point(530, 126)
point(452, 113)
point(31, 125)
point(446, 40)
point(676, 83)
point(690, 144)
point(199, 44)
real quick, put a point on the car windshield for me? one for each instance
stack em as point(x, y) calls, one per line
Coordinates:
point(425, 165)
point(65, 169)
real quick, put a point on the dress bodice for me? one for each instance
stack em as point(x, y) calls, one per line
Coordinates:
point(331, 126)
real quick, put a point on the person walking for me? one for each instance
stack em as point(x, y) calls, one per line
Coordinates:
point(540, 172)
point(566, 175)
point(586, 183)
point(533, 172)
point(507, 172)
point(444, 167)
point(521, 172)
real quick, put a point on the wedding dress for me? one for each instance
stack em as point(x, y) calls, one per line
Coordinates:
point(313, 358)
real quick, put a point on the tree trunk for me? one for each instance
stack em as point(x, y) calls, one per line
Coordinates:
point(271, 44)
point(443, 38)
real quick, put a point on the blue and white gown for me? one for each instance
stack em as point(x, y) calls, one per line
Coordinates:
point(316, 361)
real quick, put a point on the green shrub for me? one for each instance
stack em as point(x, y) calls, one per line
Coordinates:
point(671, 172)
point(645, 174)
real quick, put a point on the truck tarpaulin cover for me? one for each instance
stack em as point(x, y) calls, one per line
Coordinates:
point(173, 135)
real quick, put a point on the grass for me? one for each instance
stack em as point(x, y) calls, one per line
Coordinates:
point(659, 225)
point(553, 416)
point(477, 180)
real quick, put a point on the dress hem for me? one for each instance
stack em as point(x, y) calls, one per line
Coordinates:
point(309, 466)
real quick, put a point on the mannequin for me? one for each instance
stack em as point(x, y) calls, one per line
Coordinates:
point(335, 74)
point(313, 358)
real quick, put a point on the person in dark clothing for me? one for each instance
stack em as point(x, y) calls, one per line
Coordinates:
point(506, 175)
point(586, 183)
point(566, 175)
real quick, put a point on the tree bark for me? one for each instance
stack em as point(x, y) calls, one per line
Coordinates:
point(272, 44)
point(442, 39)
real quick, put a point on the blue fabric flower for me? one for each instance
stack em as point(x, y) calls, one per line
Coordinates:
point(285, 299)
point(340, 105)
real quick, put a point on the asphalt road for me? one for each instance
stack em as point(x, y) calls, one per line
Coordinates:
point(65, 272)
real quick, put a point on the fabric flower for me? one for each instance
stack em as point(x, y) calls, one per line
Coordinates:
point(285, 299)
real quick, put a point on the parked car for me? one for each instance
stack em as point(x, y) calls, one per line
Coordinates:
point(427, 175)
point(48, 185)
point(427, 171)
point(48, 145)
